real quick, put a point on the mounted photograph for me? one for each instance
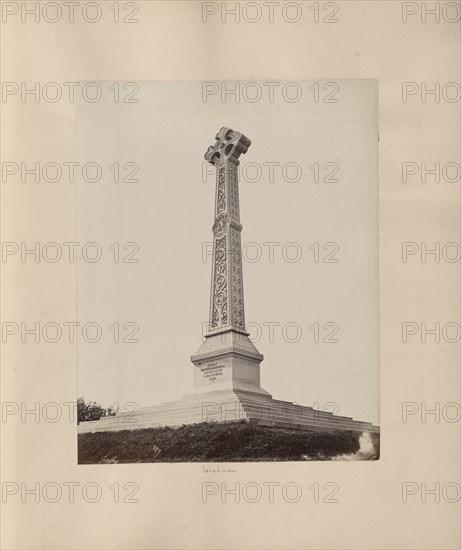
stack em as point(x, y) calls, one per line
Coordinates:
point(283, 367)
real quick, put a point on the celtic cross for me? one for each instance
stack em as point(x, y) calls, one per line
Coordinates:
point(227, 310)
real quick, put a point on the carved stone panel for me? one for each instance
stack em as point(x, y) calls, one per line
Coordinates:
point(220, 191)
point(233, 192)
point(219, 294)
point(238, 309)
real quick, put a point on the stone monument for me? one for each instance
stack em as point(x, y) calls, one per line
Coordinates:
point(227, 359)
point(227, 364)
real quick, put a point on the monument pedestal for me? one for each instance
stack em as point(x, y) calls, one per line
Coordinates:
point(227, 361)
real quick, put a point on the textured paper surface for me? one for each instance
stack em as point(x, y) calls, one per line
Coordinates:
point(383, 504)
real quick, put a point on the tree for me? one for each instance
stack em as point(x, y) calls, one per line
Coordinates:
point(92, 411)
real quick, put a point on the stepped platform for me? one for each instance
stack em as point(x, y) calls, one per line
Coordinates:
point(228, 406)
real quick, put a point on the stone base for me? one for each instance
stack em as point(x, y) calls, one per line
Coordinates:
point(228, 406)
point(227, 361)
point(227, 389)
point(229, 373)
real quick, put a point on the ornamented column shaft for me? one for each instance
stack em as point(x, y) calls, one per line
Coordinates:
point(227, 310)
point(227, 360)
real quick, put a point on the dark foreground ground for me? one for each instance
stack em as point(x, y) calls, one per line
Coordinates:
point(213, 442)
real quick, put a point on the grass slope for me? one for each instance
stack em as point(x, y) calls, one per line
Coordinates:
point(213, 442)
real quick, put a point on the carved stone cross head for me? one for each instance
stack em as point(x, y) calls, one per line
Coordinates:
point(229, 145)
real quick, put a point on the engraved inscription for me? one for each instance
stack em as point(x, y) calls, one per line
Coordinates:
point(212, 371)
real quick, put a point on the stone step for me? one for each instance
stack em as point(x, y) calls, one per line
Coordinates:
point(220, 399)
point(246, 405)
point(164, 415)
point(280, 424)
point(264, 403)
point(295, 409)
point(295, 412)
point(310, 421)
point(179, 420)
point(231, 405)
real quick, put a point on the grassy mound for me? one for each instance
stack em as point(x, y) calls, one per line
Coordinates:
point(213, 442)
